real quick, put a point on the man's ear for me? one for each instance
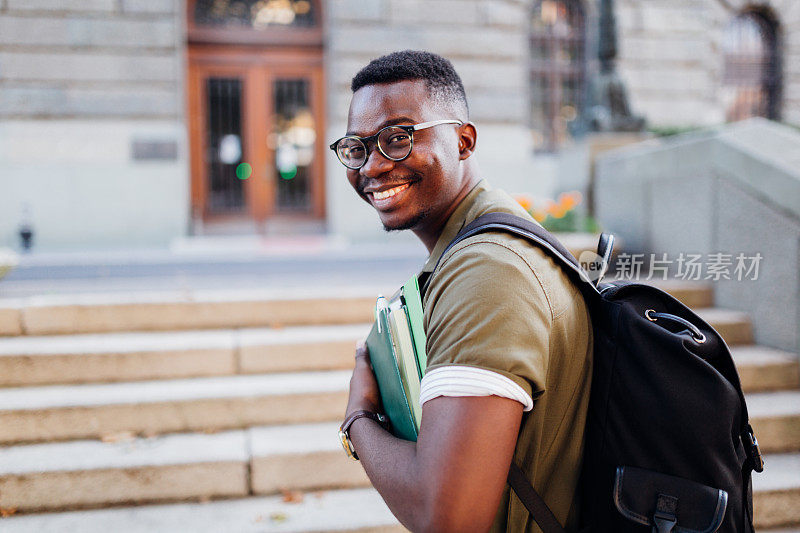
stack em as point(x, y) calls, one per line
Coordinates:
point(468, 136)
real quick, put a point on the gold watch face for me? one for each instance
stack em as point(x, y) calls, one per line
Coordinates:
point(348, 449)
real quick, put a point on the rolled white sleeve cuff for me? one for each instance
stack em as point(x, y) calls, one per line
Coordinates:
point(458, 380)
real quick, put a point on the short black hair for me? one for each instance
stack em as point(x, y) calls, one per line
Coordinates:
point(440, 77)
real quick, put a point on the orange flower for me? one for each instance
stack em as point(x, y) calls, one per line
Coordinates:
point(559, 211)
point(541, 209)
point(568, 200)
point(524, 201)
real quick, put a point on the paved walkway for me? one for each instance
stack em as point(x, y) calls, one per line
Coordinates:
point(218, 263)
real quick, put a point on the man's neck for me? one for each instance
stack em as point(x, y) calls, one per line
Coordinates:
point(429, 235)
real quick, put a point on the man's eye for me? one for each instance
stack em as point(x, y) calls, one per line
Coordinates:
point(354, 151)
point(399, 138)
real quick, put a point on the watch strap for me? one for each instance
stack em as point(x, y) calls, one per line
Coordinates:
point(344, 429)
point(377, 417)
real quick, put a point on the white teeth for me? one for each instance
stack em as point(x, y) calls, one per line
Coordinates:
point(380, 195)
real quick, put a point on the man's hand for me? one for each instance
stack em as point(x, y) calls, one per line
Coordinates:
point(452, 478)
point(363, 387)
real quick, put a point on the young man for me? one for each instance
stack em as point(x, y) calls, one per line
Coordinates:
point(508, 335)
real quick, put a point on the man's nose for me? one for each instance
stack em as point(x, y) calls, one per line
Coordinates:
point(376, 164)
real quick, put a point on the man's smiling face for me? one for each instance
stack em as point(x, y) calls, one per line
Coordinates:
point(419, 190)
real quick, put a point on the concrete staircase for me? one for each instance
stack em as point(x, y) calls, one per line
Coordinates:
point(113, 409)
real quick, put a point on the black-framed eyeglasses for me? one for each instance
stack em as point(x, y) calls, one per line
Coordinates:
point(393, 142)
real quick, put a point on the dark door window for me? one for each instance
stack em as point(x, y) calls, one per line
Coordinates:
point(295, 141)
point(557, 48)
point(224, 145)
point(751, 73)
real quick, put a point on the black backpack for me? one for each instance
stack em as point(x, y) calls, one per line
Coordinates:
point(668, 446)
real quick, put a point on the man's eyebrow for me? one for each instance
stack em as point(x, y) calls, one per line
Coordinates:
point(390, 122)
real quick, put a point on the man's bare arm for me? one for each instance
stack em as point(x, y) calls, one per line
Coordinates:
point(453, 477)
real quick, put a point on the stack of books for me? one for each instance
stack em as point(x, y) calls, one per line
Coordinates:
point(397, 351)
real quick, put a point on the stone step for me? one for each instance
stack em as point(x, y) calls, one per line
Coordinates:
point(102, 313)
point(734, 326)
point(349, 510)
point(217, 309)
point(764, 369)
point(111, 357)
point(199, 467)
point(93, 473)
point(61, 412)
point(693, 294)
point(776, 492)
point(107, 357)
point(11, 317)
point(174, 467)
point(88, 358)
point(775, 417)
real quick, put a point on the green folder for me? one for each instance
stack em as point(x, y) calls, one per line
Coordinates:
point(406, 360)
point(392, 362)
point(413, 304)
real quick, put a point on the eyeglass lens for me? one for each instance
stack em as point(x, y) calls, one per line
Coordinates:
point(393, 142)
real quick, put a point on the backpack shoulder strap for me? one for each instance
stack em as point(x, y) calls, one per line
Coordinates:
point(534, 503)
point(527, 230)
point(536, 234)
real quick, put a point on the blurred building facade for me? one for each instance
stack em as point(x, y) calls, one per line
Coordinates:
point(136, 122)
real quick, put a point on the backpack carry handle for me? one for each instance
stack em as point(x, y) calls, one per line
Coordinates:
point(604, 248)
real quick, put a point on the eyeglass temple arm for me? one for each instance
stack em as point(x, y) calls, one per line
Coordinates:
point(432, 123)
point(415, 127)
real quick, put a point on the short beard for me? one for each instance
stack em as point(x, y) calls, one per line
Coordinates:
point(410, 224)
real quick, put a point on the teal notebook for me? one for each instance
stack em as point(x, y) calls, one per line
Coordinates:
point(413, 304)
point(397, 350)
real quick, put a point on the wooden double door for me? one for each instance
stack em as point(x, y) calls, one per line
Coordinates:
point(256, 134)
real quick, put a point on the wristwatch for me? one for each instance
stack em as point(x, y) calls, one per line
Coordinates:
point(344, 430)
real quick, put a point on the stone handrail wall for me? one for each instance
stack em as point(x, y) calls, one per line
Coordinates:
point(731, 190)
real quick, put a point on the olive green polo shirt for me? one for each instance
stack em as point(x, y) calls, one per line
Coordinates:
point(499, 303)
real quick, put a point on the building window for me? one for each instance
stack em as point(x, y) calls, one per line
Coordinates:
point(279, 23)
point(557, 51)
point(255, 14)
point(751, 75)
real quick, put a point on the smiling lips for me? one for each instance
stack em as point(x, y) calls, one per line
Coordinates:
point(382, 195)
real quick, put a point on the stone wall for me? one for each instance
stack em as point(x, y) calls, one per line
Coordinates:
point(485, 40)
point(90, 58)
point(670, 55)
point(92, 135)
